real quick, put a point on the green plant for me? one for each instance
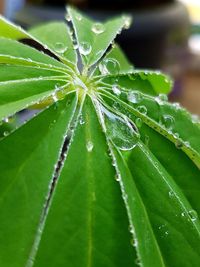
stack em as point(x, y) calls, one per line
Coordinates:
point(107, 174)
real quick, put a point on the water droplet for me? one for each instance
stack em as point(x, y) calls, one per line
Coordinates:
point(98, 28)
point(130, 228)
point(85, 48)
point(132, 77)
point(60, 48)
point(116, 89)
point(117, 177)
point(163, 97)
point(176, 105)
point(116, 105)
point(193, 215)
point(142, 109)
point(54, 97)
point(134, 97)
point(127, 22)
point(138, 122)
point(137, 262)
point(75, 46)
point(167, 121)
point(81, 120)
point(89, 146)
point(179, 144)
point(6, 133)
point(124, 196)
point(195, 118)
point(68, 18)
point(109, 65)
point(171, 194)
point(7, 120)
point(120, 131)
point(187, 144)
point(78, 17)
point(134, 242)
point(176, 135)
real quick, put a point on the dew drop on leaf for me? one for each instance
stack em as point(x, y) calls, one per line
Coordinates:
point(163, 97)
point(54, 97)
point(85, 48)
point(171, 194)
point(78, 17)
point(134, 97)
point(187, 144)
point(81, 120)
point(195, 118)
point(117, 177)
point(179, 144)
point(124, 196)
point(142, 109)
point(127, 22)
point(6, 120)
point(109, 65)
point(116, 89)
point(89, 146)
point(68, 18)
point(6, 133)
point(120, 131)
point(138, 122)
point(98, 28)
point(60, 48)
point(75, 46)
point(167, 121)
point(193, 215)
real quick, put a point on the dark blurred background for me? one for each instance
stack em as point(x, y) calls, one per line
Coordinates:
point(165, 35)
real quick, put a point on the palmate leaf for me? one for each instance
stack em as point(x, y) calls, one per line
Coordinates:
point(108, 173)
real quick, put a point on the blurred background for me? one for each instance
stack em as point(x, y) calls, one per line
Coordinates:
point(165, 35)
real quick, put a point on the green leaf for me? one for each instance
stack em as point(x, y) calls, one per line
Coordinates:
point(116, 55)
point(14, 73)
point(184, 172)
point(173, 220)
point(9, 30)
point(18, 95)
point(13, 48)
point(28, 159)
point(147, 82)
point(108, 174)
point(94, 38)
point(148, 252)
point(167, 119)
point(56, 36)
point(88, 196)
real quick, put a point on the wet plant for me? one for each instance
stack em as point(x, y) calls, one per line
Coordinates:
point(106, 174)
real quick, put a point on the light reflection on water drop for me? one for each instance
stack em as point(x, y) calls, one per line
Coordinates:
point(120, 131)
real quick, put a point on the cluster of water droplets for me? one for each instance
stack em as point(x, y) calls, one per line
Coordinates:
point(55, 92)
point(191, 213)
